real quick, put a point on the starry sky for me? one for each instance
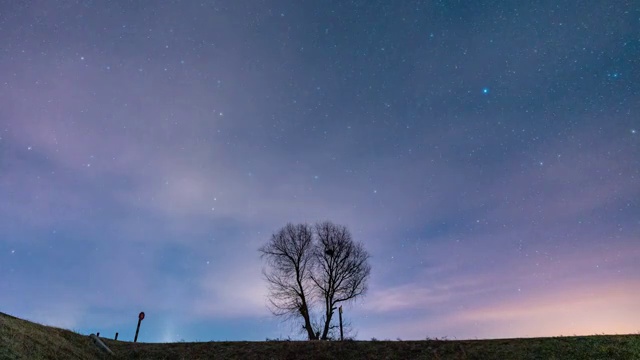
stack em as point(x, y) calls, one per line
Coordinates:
point(487, 154)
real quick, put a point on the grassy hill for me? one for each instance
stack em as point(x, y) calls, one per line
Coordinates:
point(20, 339)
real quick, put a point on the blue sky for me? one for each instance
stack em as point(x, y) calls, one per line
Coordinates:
point(148, 150)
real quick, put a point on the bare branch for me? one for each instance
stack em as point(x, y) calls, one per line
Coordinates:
point(343, 268)
point(289, 256)
point(311, 266)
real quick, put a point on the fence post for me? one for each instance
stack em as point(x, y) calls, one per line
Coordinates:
point(116, 337)
point(340, 313)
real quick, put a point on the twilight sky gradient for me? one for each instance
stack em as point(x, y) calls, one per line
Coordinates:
point(487, 155)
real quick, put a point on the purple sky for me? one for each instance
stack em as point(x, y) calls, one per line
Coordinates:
point(488, 157)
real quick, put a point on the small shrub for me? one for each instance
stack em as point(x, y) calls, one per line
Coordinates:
point(278, 339)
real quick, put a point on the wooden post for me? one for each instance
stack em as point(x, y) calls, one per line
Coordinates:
point(340, 313)
point(116, 337)
point(98, 334)
point(135, 339)
point(140, 317)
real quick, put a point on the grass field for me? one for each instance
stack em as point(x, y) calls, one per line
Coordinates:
point(20, 339)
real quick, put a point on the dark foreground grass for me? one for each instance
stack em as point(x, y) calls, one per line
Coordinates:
point(20, 339)
point(603, 347)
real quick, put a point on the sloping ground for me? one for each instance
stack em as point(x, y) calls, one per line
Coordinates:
point(20, 339)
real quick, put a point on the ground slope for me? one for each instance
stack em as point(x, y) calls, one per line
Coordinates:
point(20, 339)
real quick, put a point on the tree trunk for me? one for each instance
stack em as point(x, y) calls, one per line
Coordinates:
point(307, 321)
point(327, 324)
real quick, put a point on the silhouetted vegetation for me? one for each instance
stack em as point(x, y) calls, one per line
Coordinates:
point(319, 266)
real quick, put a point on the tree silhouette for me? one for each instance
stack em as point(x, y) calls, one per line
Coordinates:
point(308, 266)
point(289, 255)
point(342, 268)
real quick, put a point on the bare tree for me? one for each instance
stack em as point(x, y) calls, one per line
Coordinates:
point(289, 255)
point(341, 269)
point(314, 266)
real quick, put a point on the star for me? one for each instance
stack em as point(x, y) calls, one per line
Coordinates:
point(447, 153)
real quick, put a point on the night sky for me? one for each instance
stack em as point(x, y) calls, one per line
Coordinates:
point(486, 154)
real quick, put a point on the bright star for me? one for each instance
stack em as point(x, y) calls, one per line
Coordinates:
point(485, 90)
point(633, 131)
